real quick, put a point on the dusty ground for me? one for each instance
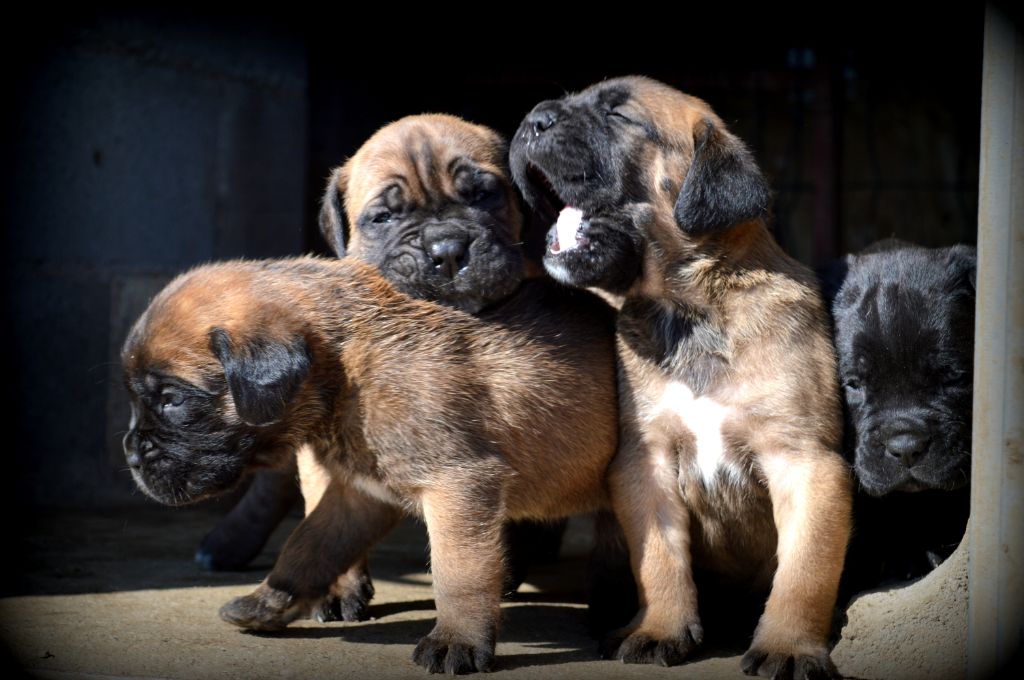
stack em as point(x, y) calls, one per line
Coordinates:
point(107, 594)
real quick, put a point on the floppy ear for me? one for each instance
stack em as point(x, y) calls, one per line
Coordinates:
point(962, 265)
point(723, 186)
point(263, 375)
point(333, 224)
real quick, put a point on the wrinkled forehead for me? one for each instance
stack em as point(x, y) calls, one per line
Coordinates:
point(674, 114)
point(423, 155)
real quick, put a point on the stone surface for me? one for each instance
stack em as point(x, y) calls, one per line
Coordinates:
point(914, 632)
point(115, 593)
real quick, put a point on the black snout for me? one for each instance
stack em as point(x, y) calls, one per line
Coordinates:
point(907, 446)
point(136, 446)
point(448, 248)
point(542, 118)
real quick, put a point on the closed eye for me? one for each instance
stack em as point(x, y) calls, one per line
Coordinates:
point(484, 195)
point(853, 383)
point(616, 113)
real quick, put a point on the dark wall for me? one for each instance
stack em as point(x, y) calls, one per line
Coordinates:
point(141, 145)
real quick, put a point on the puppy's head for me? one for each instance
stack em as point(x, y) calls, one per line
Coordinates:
point(428, 201)
point(588, 160)
point(904, 328)
point(212, 372)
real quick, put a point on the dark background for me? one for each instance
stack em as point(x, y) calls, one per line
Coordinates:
point(137, 145)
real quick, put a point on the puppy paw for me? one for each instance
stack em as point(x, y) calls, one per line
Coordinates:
point(789, 666)
point(449, 653)
point(640, 647)
point(264, 609)
point(349, 600)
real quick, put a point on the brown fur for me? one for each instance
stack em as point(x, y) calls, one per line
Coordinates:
point(718, 323)
point(408, 406)
point(430, 158)
point(428, 167)
point(419, 152)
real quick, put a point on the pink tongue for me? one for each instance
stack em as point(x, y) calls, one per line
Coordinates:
point(566, 227)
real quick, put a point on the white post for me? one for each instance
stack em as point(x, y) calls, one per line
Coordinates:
point(995, 629)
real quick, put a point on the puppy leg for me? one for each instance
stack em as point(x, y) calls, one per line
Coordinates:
point(350, 595)
point(240, 535)
point(528, 544)
point(810, 496)
point(647, 503)
point(466, 558)
point(335, 536)
point(611, 589)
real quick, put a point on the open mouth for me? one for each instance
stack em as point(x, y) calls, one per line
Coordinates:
point(548, 202)
point(569, 224)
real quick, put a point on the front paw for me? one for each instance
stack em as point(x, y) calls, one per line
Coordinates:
point(787, 665)
point(641, 647)
point(446, 652)
point(265, 608)
point(349, 600)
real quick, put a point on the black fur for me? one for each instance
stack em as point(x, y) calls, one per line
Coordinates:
point(171, 420)
point(578, 151)
point(723, 186)
point(584, 151)
point(681, 340)
point(904, 328)
point(263, 376)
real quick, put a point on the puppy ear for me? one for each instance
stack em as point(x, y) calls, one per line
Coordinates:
point(333, 224)
point(723, 186)
point(962, 265)
point(262, 375)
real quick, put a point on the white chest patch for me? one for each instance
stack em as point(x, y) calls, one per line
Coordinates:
point(703, 417)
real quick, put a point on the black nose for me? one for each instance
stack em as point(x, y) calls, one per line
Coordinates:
point(136, 446)
point(907, 446)
point(542, 118)
point(449, 255)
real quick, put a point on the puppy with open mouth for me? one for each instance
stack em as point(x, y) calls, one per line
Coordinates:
point(730, 428)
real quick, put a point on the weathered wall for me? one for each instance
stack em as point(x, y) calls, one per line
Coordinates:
point(140, 147)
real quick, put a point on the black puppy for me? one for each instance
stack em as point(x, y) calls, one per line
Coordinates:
point(904, 332)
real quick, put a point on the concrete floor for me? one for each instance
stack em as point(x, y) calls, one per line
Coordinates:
point(115, 594)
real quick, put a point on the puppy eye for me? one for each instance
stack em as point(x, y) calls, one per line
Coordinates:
point(484, 195)
point(616, 113)
point(171, 400)
point(853, 384)
point(382, 217)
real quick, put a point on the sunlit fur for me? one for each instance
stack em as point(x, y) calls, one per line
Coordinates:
point(730, 438)
point(435, 412)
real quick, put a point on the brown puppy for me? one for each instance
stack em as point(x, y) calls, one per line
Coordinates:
point(730, 435)
point(409, 406)
point(428, 200)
